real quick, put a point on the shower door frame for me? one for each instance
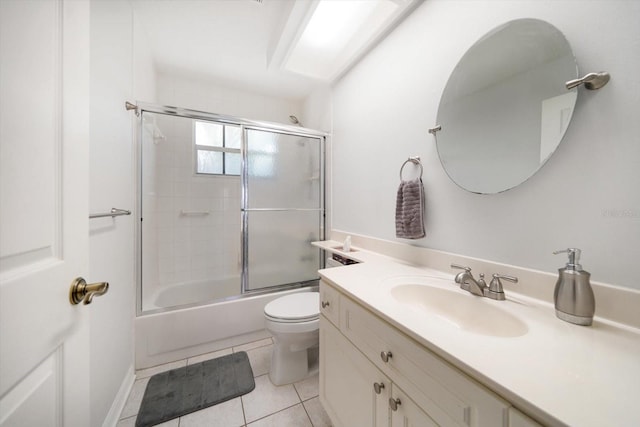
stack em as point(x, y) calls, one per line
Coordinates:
point(246, 210)
point(245, 125)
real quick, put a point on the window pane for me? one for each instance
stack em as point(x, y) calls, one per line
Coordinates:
point(233, 136)
point(209, 162)
point(232, 163)
point(209, 134)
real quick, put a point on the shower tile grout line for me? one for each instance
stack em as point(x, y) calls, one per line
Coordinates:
point(282, 410)
point(244, 415)
point(304, 407)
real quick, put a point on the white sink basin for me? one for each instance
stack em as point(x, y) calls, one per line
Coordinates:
point(465, 311)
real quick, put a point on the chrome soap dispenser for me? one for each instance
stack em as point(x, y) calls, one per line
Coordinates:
point(573, 295)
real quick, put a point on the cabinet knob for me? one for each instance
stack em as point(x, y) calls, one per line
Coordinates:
point(325, 304)
point(385, 356)
point(394, 403)
point(378, 387)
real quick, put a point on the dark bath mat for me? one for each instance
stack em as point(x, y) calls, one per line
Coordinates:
point(184, 390)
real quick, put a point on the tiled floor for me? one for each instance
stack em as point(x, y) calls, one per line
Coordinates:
point(293, 405)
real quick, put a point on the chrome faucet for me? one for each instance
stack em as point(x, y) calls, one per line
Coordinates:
point(479, 287)
point(467, 282)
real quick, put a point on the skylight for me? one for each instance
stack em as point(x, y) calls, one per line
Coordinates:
point(338, 32)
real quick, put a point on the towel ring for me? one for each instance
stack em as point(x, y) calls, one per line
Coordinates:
point(416, 161)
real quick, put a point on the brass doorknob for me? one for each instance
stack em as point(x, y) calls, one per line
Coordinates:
point(81, 291)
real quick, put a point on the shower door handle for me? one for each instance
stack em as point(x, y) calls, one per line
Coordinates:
point(82, 291)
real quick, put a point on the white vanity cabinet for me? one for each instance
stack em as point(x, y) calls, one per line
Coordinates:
point(355, 393)
point(406, 413)
point(347, 382)
point(359, 348)
point(518, 419)
point(330, 304)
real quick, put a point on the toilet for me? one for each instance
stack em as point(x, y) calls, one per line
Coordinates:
point(294, 321)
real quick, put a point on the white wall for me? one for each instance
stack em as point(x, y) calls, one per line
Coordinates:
point(216, 97)
point(586, 196)
point(111, 241)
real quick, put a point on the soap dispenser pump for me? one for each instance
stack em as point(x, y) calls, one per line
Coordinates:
point(573, 295)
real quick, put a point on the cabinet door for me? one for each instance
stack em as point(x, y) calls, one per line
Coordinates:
point(518, 419)
point(405, 413)
point(446, 394)
point(330, 303)
point(347, 380)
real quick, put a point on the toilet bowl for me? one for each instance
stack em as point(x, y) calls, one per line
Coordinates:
point(293, 320)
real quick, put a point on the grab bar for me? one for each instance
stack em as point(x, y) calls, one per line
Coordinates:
point(114, 212)
point(194, 213)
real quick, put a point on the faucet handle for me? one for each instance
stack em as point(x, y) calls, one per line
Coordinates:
point(495, 290)
point(481, 281)
point(461, 267)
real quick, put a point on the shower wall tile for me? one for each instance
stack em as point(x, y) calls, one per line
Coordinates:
point(181, 188)
point(187, 248)
point(165, 250)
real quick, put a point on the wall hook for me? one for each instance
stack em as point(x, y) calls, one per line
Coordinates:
point(591, 81)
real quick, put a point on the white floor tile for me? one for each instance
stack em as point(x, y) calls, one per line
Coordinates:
point(318, 415)
point(260, 359)
point(252, 345)
point(208, 356)
point(295, 416)
point(127, 422)
point(266, 399)
point(226, 414)
point(171, 423)
point(308, 388)
point(135, 398)
point(148, 372)
point(131, 422)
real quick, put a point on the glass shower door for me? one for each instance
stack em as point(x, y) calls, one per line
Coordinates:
point(283, 210)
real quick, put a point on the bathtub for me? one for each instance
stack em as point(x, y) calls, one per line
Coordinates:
point(194, 292)
point(186, 332)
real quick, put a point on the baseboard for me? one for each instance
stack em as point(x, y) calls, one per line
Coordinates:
point(113, 416)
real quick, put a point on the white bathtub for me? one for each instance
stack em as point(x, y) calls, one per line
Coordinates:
point(194, 292)
point(181, 333)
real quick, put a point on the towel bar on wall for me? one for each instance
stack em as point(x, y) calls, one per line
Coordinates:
point(113, 213)
point(416, 161)
point(194, 213)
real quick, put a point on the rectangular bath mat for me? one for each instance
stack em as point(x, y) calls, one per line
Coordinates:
point(184, 390)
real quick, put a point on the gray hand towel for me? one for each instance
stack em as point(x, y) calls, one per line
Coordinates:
point(410, 210)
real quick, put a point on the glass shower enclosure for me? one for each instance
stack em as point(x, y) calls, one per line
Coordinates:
point(228, 207)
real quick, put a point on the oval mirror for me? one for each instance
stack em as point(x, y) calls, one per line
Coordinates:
point(505, 107)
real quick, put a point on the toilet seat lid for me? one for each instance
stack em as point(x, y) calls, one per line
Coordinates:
point(295, 307)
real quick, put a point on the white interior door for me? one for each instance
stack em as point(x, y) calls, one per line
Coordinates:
point(44, 137)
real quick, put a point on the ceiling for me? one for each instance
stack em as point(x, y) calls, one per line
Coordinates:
point(229, 41)
point(243, 43)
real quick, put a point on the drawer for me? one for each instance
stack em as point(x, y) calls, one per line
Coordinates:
point(330, 303)
point(449, 397)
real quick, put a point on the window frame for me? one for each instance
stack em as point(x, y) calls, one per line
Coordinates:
point(218, 149)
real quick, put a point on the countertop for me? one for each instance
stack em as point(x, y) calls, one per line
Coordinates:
point(557, 372)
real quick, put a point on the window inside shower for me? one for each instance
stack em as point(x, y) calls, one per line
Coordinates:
point(216, 148)
point(226, 209)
